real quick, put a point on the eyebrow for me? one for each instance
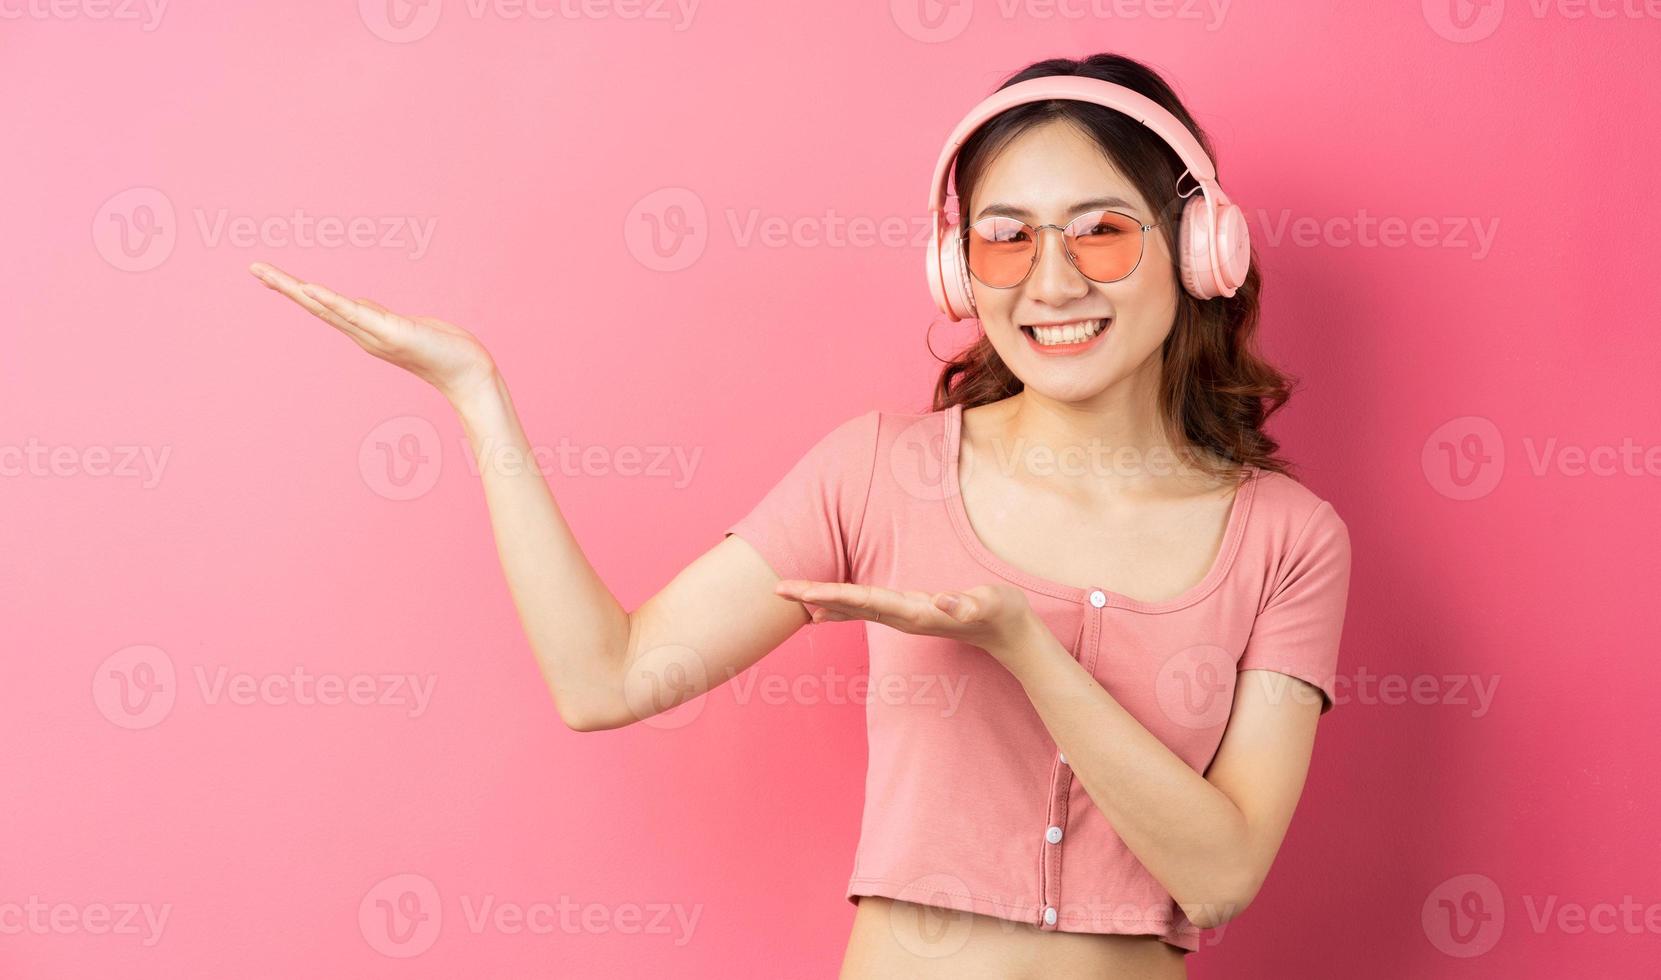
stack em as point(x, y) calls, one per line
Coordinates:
point(1011, 211)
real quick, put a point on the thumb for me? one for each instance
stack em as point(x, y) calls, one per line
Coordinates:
point(956, 605)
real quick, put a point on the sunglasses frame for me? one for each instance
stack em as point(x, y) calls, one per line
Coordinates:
point(1038, 246)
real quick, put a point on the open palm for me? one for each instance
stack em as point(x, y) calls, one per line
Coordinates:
point(442, 354)
point(996, 617)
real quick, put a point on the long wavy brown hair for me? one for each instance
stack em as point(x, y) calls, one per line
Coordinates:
point(1216, 393)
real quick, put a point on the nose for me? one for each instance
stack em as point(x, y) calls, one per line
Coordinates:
point(1055, 280)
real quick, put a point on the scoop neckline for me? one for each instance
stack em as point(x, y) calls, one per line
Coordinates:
point(1233, 533)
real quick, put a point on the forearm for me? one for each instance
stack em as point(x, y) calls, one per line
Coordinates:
point(576, 628)
point(1186, 832)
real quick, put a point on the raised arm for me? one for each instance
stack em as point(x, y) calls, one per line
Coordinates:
point(604, 665)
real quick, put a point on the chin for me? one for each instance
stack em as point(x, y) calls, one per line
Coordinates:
point(1068, 390)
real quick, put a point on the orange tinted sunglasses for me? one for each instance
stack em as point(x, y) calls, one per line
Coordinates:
point(1103, 245)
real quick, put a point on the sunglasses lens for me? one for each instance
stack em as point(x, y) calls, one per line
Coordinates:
point(1000, 251)
point(1106, 246)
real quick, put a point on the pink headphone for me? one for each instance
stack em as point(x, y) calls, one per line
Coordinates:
point(1213, 244)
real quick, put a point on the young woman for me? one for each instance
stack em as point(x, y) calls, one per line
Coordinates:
point(1088, 533)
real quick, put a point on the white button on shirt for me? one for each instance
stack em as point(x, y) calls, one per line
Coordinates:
point(1098, 598)
point(1049, 916)
point(1063, 758)
point(1053, 835)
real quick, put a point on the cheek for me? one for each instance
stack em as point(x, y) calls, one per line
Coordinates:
point(993, 304)
point(1147, 305)
point(1155, 283)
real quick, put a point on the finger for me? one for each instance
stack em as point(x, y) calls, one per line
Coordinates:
point(350, 310)
point(366, 301)
point(294, 289)
point(820, 595)
point(871, 602)
point(956, 605)
point(376, 320)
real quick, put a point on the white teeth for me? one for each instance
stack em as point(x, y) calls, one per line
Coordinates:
point(1068, 333)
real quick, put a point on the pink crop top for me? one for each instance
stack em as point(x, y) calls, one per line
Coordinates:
point(972, 807)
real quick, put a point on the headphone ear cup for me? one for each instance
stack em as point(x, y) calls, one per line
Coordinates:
point(954, 277)
point(1200, 277)
point(1234, 246)
point(1194, 249)
point(937, 288)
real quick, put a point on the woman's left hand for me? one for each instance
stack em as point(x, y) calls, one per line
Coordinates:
point(997, 618)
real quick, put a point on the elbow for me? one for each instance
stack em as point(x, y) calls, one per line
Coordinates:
point(578, 722)
point(592, 721)
point(1210, 915)
point(1224, 903)
point(587, 702)
point(588, 714)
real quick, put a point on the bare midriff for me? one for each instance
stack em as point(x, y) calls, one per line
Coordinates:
point(896, 940)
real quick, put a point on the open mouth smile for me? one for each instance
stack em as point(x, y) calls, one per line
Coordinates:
point(1073, 337)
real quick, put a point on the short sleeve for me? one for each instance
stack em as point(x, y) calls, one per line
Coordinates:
point(807, 526)
point(1297, 632)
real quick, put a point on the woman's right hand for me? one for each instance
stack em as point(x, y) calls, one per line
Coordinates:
point(439, 353)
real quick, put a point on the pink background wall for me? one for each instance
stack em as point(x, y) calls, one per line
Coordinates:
point(197, 497)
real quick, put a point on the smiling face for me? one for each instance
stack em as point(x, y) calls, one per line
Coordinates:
point(1049, 174)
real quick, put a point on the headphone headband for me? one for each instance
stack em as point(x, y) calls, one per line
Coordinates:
point(1080, 89)
point(1213, 247)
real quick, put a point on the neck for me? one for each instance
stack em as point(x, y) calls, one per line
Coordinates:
point(1113, 442)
